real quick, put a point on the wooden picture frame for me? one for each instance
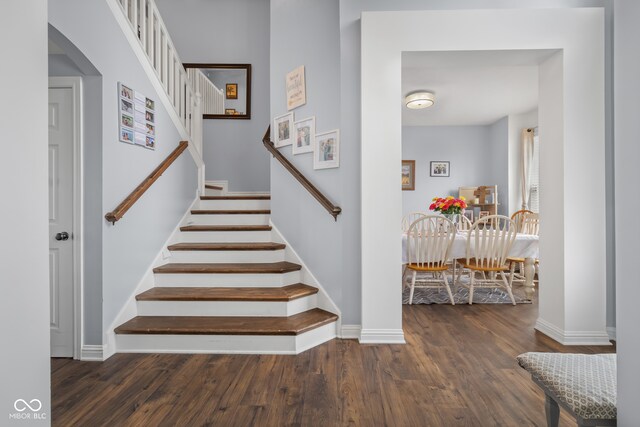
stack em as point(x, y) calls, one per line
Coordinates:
point(439, 168)
point(326, 150)
point(408, 175)
point(231, 90)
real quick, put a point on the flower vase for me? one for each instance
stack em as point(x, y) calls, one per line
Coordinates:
point(454, 218)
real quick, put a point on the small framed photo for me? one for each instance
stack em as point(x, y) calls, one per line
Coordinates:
point(304, 133)
point(483, 214)
point(127, 120)
point(230, 111)
point(148, 115)
point(126, 135)
point(149, 104)
point(283, 130)
point(469, 214)
point(150, 142)
point(126, 106)
point(326, 150)
point(151, 130)
point(232, 90)
point(440, 168)
point(408, 175)
point(126, 92)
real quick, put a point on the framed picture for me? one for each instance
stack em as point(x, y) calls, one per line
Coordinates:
point(439, 168)
point(232, 90)
point(326, 150)
point(408, 175)
point(126, 92)
point(304, 133)
point(230, 111)
point(469, 214)
point(283, 130)
point(483, 214)
point(296, 89)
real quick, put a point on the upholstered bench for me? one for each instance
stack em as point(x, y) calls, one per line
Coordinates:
point(583, 384)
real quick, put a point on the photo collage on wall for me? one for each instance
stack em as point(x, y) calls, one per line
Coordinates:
point(301, 134)
point(137, 116)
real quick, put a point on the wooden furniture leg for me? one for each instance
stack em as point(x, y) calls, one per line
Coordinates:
point(529, 273)
point(552, 410)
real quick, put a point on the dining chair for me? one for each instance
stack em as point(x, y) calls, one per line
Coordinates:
point(488, 245)
point(464, 223)
point(429, 241)
point(530, 225)
point(518, 217)
point(410, 218)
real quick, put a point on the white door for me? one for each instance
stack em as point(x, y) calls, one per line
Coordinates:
point(61, 220)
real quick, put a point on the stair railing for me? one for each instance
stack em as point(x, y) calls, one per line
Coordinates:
point(317, 194)
point(135, 195)
point(212, 97)
point(149, 29)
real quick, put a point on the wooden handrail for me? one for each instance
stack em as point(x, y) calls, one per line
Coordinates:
point(132, 198)
point(324, 201)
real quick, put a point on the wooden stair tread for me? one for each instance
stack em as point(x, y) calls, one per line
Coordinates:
point(226, 228)
point(285, 293)
point(208, 325)
point(213, 187)
point(230, 212)
point(235, 246)
point(256, 197)
point(229, 268)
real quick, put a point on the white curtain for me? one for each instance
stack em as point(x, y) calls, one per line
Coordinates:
point(526, 163)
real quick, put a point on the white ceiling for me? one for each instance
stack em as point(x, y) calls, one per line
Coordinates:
point(471, 88)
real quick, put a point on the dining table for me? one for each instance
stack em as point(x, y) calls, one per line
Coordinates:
point(524, 246)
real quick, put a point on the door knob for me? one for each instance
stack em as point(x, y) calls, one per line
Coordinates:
point(62, 236)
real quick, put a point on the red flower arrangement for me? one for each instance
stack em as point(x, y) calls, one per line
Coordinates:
point(448, 205)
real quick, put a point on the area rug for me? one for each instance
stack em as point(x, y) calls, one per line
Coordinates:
point(461, 296)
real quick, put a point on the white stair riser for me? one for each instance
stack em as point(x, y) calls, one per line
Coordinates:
point(230, 344)
point(223, 236)
point(234, 204)
point(226, 308)
point(237, 219)
point(224, 280)
point(227, 256)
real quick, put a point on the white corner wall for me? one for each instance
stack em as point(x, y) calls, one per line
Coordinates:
point(576, 258)
point(627, 153)
point(24, 273)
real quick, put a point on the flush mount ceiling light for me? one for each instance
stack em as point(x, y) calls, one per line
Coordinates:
point(422, 99)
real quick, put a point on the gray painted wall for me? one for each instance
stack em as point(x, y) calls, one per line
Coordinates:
point(468, 148)
point(63, 65)
point(318, 239)
point(24, 269)
point(499, 161)
point(229, 31)
point(627, 91)
point(130, 246)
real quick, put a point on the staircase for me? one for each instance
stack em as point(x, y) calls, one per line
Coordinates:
point(228, 288)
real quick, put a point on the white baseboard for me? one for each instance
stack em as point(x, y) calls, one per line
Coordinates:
point(92, 353)
point(382, 336)
point(611, 331)
point(350, 332)
point(572, 337)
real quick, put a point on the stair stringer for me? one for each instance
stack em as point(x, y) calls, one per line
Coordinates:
point(130, 309)
point(324, 301)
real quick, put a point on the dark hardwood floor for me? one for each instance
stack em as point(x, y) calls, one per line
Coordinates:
point(457, 369)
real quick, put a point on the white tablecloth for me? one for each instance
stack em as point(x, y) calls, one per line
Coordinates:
point(525, 246)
